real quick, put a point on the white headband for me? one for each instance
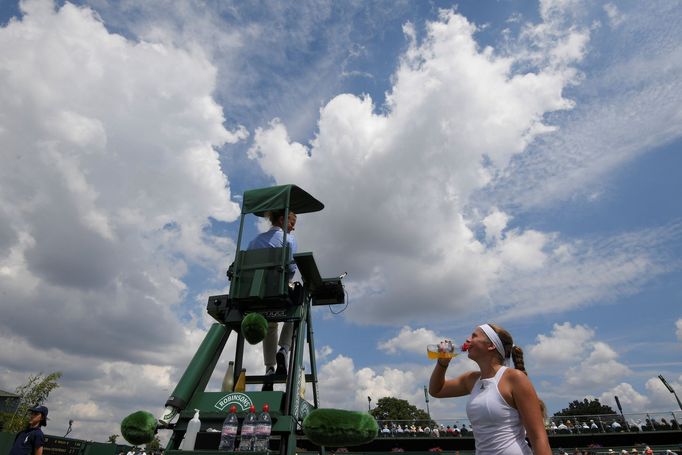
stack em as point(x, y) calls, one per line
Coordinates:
point(492, 335)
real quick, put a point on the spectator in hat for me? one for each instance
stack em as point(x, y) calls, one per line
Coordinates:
point(31, 440)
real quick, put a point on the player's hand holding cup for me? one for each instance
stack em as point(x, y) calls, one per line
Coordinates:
point(444, 350)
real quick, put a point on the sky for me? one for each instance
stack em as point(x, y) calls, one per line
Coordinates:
point(515, 162)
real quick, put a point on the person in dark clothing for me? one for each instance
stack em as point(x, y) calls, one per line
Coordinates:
point(30, 441)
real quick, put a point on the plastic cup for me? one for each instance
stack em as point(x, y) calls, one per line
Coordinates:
point(441, 351)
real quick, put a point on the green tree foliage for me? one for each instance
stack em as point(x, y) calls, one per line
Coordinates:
point(33, 392)
point(112, 438)
point(389, 409)
point(154, 445)
point(585, 408)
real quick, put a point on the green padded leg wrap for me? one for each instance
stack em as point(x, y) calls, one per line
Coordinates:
point(337, 427)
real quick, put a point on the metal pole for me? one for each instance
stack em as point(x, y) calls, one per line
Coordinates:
point(426, 398)
point(68, 430)
point(665, 383)
point(678, 401)
point(369, 404)
point(620, 408)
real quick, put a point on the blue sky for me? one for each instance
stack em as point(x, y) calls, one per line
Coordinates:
point(504, 161)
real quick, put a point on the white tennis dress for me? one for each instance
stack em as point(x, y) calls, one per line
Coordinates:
point(497, 426)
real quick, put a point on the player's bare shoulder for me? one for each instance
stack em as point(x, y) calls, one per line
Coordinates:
point(515, 376)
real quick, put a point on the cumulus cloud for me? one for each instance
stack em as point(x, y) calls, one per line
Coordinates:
point(678, 331)
point(109, 196)
point(566, 344)
point(323, 353)
point(410, 340)
point(110, 180)
point(400, 183)
point(599, 368)
point(96, 393)
point(263, 55)
point(494, 224)
point(345, 386)
point(660, 397)
point(582, 361)
point(630, 399)
point(408, 228)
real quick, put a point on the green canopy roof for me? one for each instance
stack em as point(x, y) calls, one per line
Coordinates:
point(280, 197)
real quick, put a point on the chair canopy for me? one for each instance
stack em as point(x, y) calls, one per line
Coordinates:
point(262, 200)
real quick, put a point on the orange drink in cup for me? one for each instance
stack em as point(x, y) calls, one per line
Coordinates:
point(444, 350)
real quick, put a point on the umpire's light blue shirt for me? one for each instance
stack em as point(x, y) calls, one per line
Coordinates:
point(274, 238)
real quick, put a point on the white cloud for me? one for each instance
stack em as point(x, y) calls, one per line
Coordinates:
point(660, 398)
point(410, 340)
point(110, 195)
point(565, 345)
point(105, 205)
point(263, 55)
point(614, 15)
point(344, 386)
point(575, 274)
point(95, 392)
point(630, 399)
point(524, 250)
point(579, 359)
point(109, 180)
point(495, 223)
point(678, 332)
point(601, 367)
point(403, 184)
point(323, 353)
point(401, 180)
point(624, 110)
